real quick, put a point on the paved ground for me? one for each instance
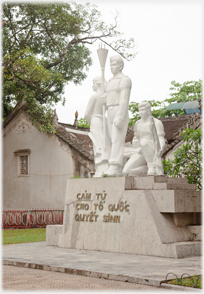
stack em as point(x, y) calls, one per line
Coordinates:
point(95, 264)
point(15, 278)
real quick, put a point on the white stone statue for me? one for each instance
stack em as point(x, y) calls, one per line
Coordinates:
point(94, 116)
point(116, 99)
point(147, 145)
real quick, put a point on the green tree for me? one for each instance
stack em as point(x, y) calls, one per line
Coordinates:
point(45, 47)
point(188, 91)
point(83, 123)
point(187, 159)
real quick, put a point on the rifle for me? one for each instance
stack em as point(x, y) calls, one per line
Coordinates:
point(157, 147)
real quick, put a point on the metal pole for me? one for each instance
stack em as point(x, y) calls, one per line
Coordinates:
point(102, 55)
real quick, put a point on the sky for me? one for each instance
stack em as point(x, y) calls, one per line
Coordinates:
point(168, 37)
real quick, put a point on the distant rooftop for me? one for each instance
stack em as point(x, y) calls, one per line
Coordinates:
point(189, 107)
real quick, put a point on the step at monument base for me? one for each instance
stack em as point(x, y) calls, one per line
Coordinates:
point(116, 215)
point(196, 232)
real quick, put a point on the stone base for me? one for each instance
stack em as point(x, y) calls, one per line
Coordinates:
point(196, 232)
point(52, 234)
point(129, 215)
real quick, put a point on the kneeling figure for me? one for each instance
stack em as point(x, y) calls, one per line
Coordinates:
point(148, 144)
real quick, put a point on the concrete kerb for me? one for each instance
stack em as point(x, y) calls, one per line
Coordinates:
point(121, 278)
point(176, 287)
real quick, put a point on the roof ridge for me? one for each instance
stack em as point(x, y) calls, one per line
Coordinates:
point(65, 136)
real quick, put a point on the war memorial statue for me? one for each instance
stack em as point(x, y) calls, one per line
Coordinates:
point(147, 145)
point(144, 153)
point(136, 209)
point(94, 116)
point(108, 134)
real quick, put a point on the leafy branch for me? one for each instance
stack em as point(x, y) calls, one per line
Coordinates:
point(187, 160)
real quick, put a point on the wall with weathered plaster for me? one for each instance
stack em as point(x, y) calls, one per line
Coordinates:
point(50, 166)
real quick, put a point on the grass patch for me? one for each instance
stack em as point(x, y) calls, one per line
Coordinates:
point(106, 175)
point(188, 282)
point(23, 236)
point(76, 177)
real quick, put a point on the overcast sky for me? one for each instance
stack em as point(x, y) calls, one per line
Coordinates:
point(168, 35)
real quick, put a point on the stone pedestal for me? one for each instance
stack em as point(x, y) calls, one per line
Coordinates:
point(150, 215)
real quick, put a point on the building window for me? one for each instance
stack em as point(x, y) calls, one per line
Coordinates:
point(23, 162)
point(23, 165)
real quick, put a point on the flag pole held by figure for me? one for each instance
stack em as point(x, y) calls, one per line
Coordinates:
point(102, 55)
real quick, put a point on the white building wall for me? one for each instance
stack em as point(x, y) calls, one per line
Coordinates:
point(49, 168)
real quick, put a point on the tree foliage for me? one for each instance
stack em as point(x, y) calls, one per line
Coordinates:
point(83, 123)
point(188, 91)
point(187, 159)
point(45, 47)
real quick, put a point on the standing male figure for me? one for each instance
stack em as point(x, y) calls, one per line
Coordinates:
point(116, 99)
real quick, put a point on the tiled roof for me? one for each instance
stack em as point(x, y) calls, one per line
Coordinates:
point(194, 122)
point(73, 141)
point(80, 134)
point(173, 124)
